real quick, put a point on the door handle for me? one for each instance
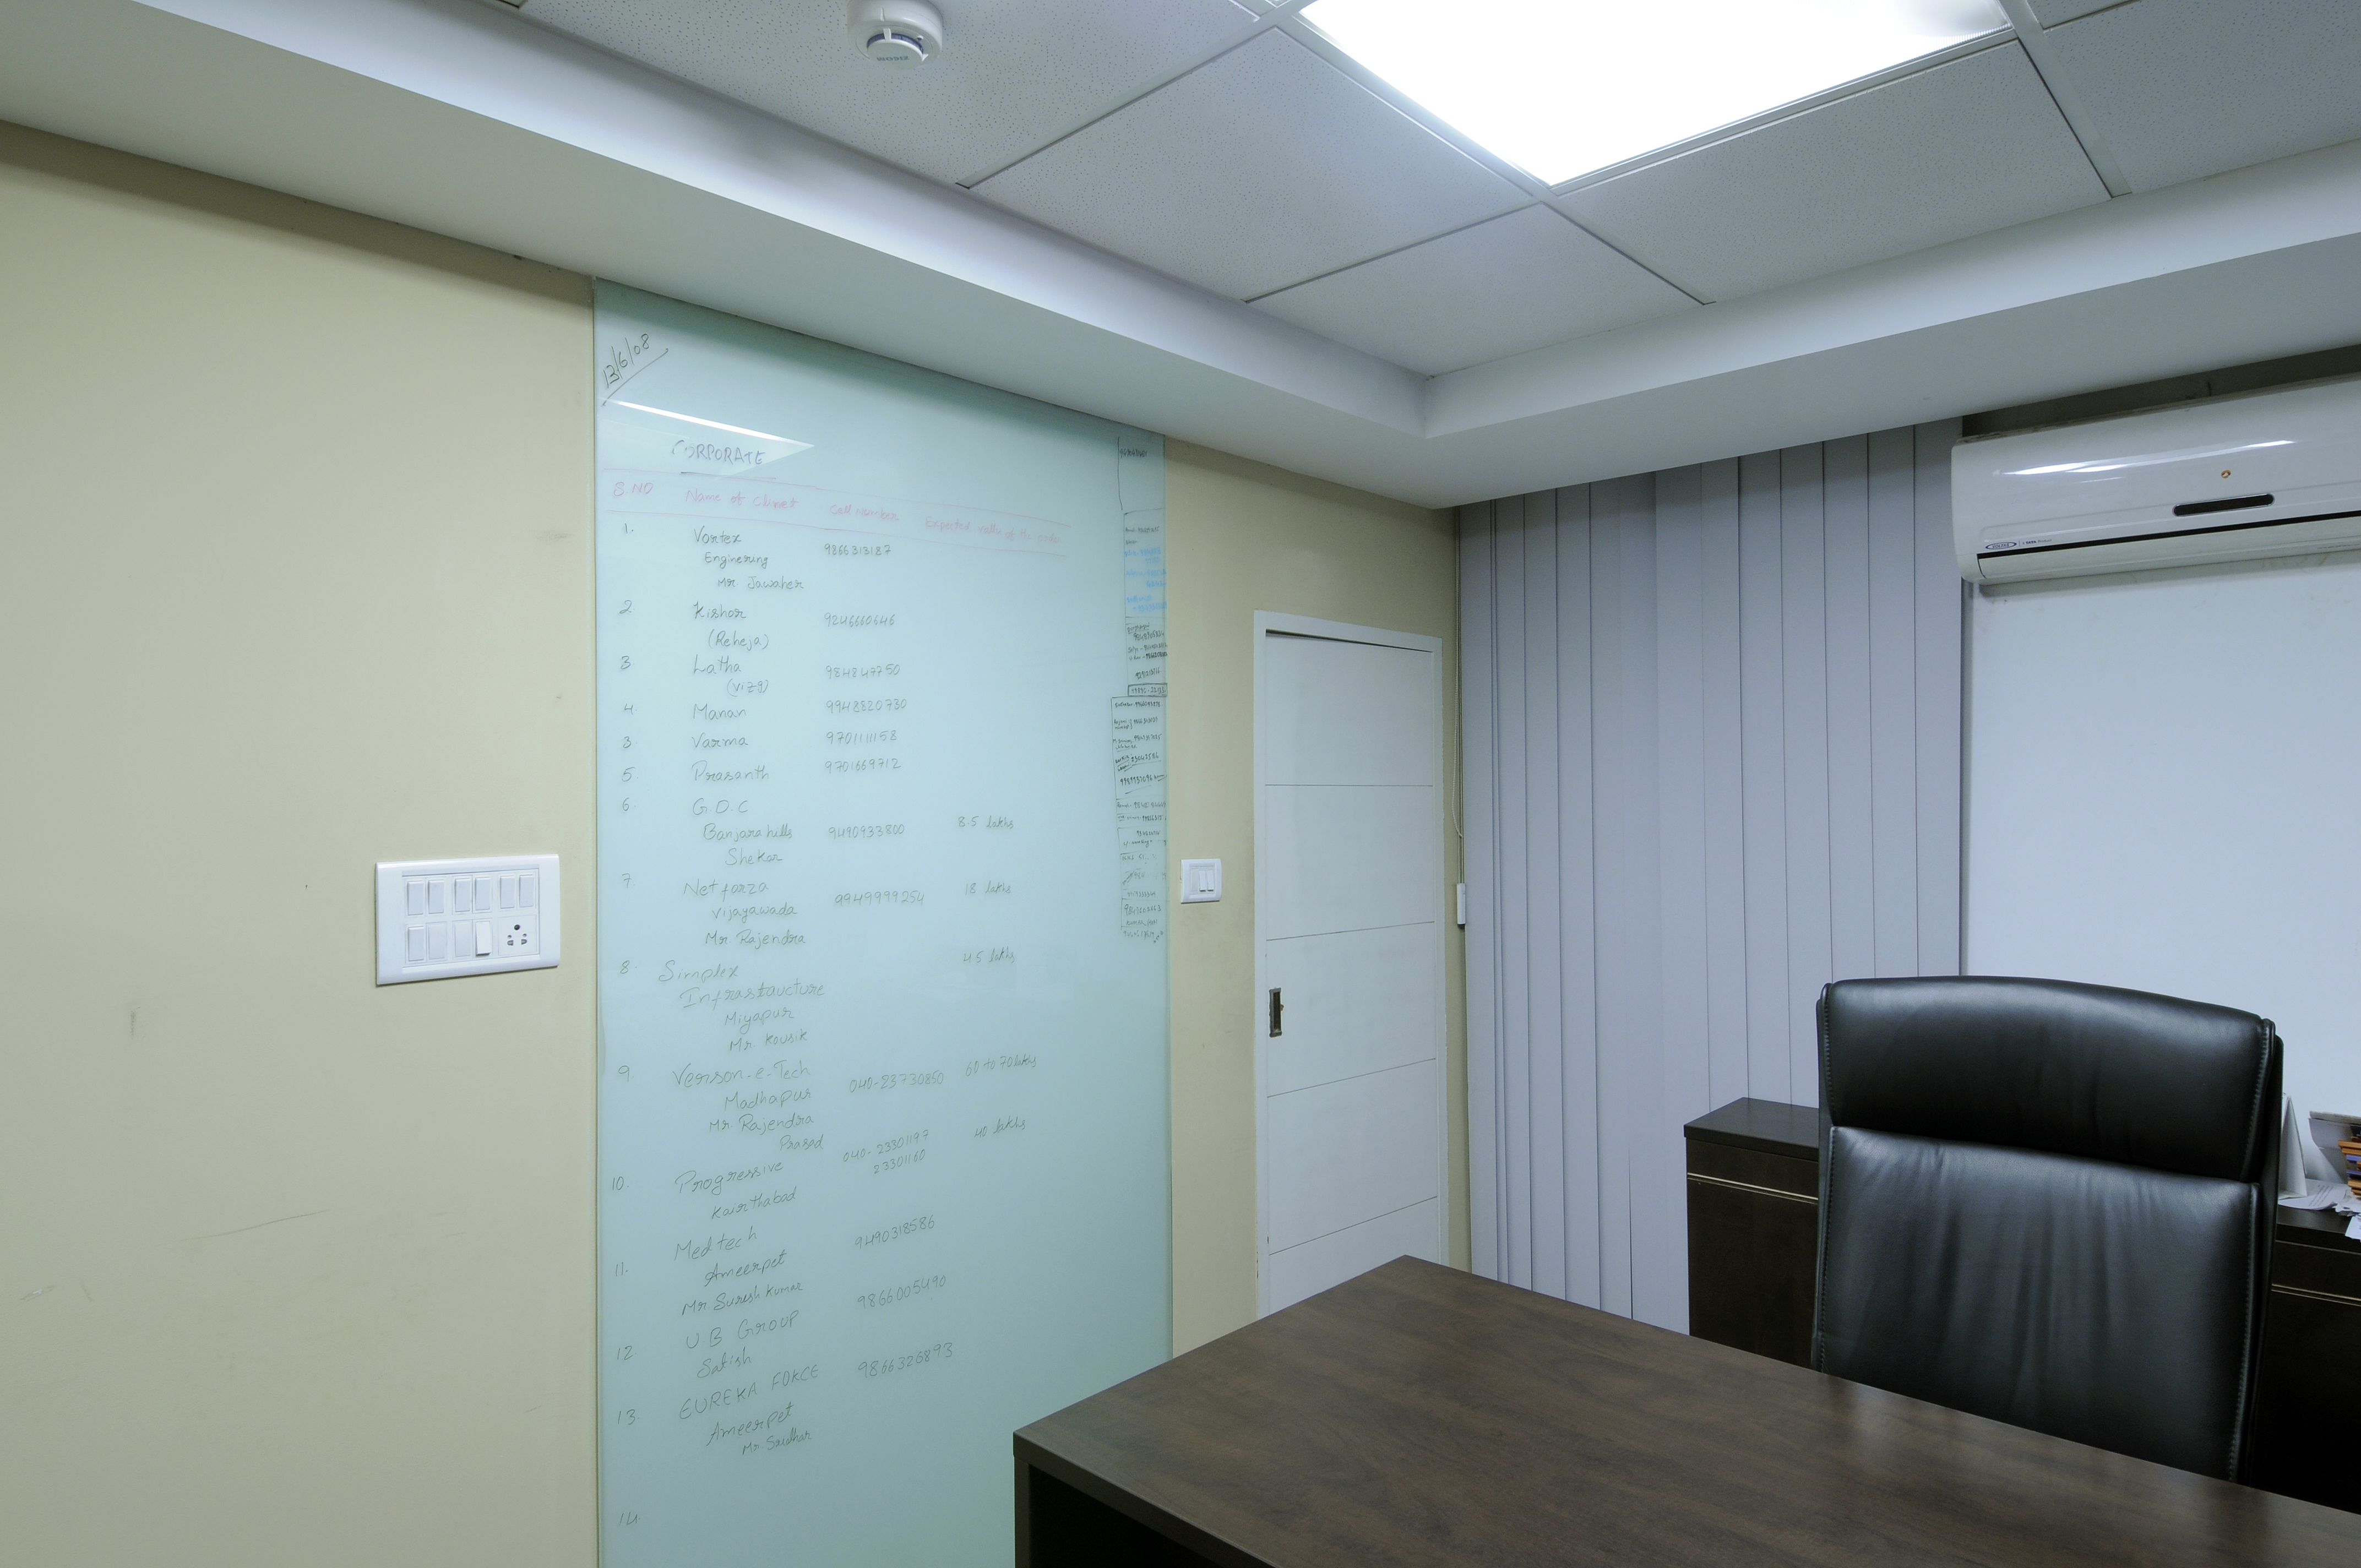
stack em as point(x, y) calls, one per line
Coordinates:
point(1277, 1008)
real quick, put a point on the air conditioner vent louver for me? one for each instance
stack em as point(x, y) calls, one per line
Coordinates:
point(2233, 503)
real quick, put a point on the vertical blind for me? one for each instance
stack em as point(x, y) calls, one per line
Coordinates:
point(1712, 747)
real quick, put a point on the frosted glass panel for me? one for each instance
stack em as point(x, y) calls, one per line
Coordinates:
point(882, 1069)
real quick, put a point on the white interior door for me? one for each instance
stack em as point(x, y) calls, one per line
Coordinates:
point(1348, 917)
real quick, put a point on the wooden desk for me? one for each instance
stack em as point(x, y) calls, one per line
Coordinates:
point(1754, 1218)
point(1418, 1415)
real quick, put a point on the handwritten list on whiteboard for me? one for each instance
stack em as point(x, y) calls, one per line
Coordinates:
point(882, 1064)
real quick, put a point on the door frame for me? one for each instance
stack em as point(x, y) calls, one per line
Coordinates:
point(1266, 622)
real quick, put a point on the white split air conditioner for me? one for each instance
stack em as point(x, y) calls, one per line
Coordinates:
point(2273, 473)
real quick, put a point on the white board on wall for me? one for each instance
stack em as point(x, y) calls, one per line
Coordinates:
point(2164, 792)
point(883, 1078)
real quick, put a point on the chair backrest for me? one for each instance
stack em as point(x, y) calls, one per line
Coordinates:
point(2050, 1204)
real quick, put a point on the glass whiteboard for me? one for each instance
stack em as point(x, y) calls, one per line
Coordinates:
point(882, 1089)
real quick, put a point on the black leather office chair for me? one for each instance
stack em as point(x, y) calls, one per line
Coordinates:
point(2050, 1204)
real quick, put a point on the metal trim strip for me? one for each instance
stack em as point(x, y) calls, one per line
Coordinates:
point(1767, 1191)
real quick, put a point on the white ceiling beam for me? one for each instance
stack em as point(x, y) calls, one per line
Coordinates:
point(522, 138)
point(2261, 306)
point(2276, 206)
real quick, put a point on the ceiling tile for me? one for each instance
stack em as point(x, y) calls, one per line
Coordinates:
point(2186, 88)
point(2050, 13)
point(1264, 168)
point(1965, 148)
point(1516, 282)
point(1013, 73)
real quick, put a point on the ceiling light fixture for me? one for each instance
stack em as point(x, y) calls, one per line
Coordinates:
point(1561, 88)
point(896, 32)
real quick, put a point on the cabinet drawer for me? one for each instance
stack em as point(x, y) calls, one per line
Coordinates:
point(1754, 1169)
point(1754, 1253)
point(2310, 1379)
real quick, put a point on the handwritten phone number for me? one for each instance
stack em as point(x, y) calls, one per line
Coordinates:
point(892, 1364)
point(892, 1294)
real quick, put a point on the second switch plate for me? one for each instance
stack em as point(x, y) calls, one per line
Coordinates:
point(1200, 881)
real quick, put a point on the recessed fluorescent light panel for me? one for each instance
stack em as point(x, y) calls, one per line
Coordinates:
point(1561, 87)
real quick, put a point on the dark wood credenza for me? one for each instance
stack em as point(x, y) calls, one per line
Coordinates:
point(1754, 1215)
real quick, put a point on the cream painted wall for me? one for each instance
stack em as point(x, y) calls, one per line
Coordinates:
point(294, 575)
point(1241, 537)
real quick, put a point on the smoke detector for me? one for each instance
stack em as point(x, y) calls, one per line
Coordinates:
point(897, 32)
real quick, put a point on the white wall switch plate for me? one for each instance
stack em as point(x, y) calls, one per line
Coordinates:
point(1200, 881)
point(1463, 903)
point(439, 919)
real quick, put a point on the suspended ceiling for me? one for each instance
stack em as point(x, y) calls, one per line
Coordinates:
point(1197, 216)
point(1231, 146)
